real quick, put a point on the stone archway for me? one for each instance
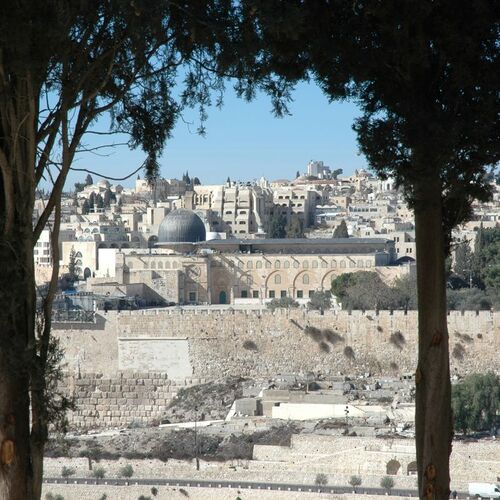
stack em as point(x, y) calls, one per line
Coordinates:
point(412, 469)
point(87, 273)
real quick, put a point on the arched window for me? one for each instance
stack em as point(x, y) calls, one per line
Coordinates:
point(352, 264)
point(258, 265)
point(324, 264)
point(153, 264)
point(277, 279)
point(360, 263)
point(333, 263)
point(296, 264)
point(305, 264)
point(268, 264)
point(175, 264)
point(286, 264)
point(160, 265)
point(277, 265)
point(249, 264)
point(78, 255)
point(315, 263)
point(305, 279)
point(167, 264)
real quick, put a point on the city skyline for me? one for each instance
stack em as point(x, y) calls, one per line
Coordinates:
point(258, 145)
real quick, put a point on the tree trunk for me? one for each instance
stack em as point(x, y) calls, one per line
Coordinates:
point(433, 418)
point(16, 344)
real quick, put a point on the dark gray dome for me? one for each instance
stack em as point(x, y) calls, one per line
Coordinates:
point(181, 226)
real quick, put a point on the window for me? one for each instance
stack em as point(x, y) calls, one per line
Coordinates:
point(268, 264)
point(334, 263)
point(300, 294)
point(175, 265)
point(258, 265)
point(283, 293)
point(311, 293)
point(277, 265)
point(295, 264)
point(255, 294)
point(305, 279)
point(286, 264)
point(324, 264)
point(153, 265)
point(360, 263)
point(192, 296)
point(305, 264)
point(271, 294)
point(249, 264)
point(315, 264)
point(277, 279)
point(244, 294)
point(352, 264)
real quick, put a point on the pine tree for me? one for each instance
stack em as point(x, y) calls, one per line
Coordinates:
point(341, 230)
point(88, 180)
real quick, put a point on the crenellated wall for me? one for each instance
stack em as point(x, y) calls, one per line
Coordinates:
point(209, 344)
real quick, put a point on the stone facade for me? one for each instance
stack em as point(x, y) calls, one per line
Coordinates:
point(215, 349)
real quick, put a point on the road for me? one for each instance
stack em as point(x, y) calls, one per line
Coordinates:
point(238, 485)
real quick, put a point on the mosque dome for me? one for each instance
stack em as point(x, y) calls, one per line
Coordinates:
point(181, 226)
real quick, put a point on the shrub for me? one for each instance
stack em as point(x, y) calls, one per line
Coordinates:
point(349, 353)
point(126, 471)
point(464, 337)
point(51, 496)
point(320, 301)
point(103, 497)
point(250, 345)
point(321, 479)
point(144, 497)
point(67, 471)
point(387, 483)
point(394, 366)
point(355, 481)
point(397, 339)
point(314, 333)
point(458, 352)
point(282, 303)
point(183, 492)
point(99, 472)
point(324, 347)
point(154, 491)
point(379, 329)
point(332, 336)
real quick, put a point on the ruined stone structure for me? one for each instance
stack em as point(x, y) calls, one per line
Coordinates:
point(127, 366)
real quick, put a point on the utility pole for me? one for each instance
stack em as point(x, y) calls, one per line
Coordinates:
point(196, 438)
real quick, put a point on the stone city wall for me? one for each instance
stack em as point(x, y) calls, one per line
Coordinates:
point(209, 344)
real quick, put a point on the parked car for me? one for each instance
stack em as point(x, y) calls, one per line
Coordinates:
point(484, 490)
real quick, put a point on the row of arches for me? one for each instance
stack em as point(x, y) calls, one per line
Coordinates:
point(306, 264)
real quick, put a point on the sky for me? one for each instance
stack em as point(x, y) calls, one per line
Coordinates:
point(244, 141)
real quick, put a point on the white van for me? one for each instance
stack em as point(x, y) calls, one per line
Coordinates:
point(484, 490)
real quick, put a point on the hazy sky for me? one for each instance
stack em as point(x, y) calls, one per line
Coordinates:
point(245, 141)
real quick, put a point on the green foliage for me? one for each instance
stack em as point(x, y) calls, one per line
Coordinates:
point(88, 180)
point(294, 229)
point(67, 471)
point(51, 496)
point(337, 172)
point(487, 258)
point(387, 483)
point(126, 471)
point(282, 303)
point(277, 225)
point(98, 472)
point(355, 481)
point(463, 264)
point(475, 402)
point(74, 270)
point(341, 230)
point(154, 491)
point(321, 479)
point(320, 301)
point(79, 187)
point(469, 299)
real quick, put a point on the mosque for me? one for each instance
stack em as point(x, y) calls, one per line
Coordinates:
point(186, 268)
